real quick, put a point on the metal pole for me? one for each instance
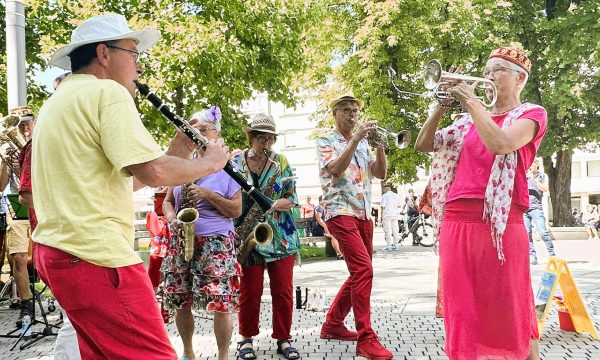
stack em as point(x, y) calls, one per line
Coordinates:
point(15, 54)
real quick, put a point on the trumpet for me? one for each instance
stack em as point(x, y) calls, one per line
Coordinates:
point(401, 138)
point(378, 137)
point(435, 79)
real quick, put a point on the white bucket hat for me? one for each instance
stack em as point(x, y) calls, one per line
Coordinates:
point(101, 28)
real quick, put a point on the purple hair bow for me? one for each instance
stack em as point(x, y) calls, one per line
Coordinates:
point(213, 114)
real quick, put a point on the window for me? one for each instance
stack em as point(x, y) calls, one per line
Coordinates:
point(576, 170)
point(594, 199)
point(593, 168)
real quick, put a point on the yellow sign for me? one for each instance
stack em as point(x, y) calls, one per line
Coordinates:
point(557, 273)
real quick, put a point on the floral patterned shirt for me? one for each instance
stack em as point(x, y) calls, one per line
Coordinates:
point(349, 194)
point(285, 238)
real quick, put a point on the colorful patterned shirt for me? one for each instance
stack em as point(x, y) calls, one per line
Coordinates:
point(285, 238)
point(349, 194)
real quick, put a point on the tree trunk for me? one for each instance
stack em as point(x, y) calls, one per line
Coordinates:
point(559, 181)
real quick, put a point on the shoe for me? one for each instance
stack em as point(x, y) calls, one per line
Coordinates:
point(373, 350)
point(25, 310)
point(395, 248)
point(387, 248)
point(338, 333)
point(534, 262)
point(290, 352)
point(246, 353)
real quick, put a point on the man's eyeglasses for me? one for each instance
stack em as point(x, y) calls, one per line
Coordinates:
point(136, 54)
point(348, 111)
point(497, 71)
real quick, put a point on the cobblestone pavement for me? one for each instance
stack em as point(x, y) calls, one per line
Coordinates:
point(402, 305)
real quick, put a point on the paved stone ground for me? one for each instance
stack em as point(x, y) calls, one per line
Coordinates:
point(403, 304)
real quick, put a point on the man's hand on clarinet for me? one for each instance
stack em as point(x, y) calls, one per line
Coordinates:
point(216, 153)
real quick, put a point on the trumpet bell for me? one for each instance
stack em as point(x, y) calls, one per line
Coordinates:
point(435, 79)
point(402, 139)
point(432, 74)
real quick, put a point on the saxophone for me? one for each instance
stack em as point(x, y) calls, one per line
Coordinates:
point(261, 233)
point(187, 216)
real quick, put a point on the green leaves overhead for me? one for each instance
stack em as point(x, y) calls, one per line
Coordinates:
point(214, 52)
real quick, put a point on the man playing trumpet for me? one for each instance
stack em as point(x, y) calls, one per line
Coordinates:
point(347, 167)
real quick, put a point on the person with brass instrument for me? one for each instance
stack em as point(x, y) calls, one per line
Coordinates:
point(479, 195)
point(18, 234)
point(88, 148)
point(347, 167)
point(274, 249)
point(210, 280)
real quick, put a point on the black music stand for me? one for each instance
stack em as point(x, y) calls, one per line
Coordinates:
point(20, 212)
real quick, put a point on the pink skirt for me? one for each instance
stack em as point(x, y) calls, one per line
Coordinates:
point(488, 306)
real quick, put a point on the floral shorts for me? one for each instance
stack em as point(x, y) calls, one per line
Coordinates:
point(210, 281)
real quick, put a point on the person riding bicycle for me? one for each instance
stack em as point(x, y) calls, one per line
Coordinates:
point(412, 214)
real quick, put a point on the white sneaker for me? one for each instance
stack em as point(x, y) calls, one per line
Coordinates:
point(387, 248)
point(590, 238)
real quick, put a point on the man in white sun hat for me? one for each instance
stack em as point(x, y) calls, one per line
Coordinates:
point(88, 147)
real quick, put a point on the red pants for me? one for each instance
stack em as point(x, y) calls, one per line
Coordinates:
point(113, 310)
point(154, 270)
point(251, 289)
point(355, 237)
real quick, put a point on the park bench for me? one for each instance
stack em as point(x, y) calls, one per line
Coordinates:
point(305, 224)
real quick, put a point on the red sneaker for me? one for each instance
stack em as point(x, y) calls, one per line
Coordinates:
point(373, 350)
point(338, 333)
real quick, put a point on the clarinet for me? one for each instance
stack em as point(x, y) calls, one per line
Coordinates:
point(193, 134)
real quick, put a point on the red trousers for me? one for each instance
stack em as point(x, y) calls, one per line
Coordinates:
point(113, 310)
point(355, 237)
point(251, 289)
point(154, 270)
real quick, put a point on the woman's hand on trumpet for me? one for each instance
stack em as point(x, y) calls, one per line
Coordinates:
point(463, 92)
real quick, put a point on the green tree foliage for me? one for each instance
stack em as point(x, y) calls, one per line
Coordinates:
point(374, 35)
point(212, 52)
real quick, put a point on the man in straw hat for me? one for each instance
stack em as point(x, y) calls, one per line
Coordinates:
point(347, 167)
point(88, 146)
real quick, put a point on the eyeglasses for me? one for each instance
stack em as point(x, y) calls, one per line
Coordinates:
point(348, 111)
point(205, 130)
point(265, 138)
point(136, 54)
point(497, 71)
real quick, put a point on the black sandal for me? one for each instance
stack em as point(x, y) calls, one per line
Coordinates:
point(289, 351)
point(244, 352)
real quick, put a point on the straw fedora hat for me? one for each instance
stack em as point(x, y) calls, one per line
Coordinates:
point(338, 100)
point(101, 28)
point(262, 123)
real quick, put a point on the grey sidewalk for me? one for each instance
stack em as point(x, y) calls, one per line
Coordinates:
point(403, 305)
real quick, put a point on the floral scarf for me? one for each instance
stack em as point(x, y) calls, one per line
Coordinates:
point(447, 144)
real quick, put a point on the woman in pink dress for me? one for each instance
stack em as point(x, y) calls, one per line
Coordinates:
point(479, 195)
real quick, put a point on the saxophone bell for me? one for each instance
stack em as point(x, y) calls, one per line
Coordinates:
point(188, 217)
point(261, 235)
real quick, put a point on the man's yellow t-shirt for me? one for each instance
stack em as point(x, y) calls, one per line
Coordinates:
point(88, 131)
